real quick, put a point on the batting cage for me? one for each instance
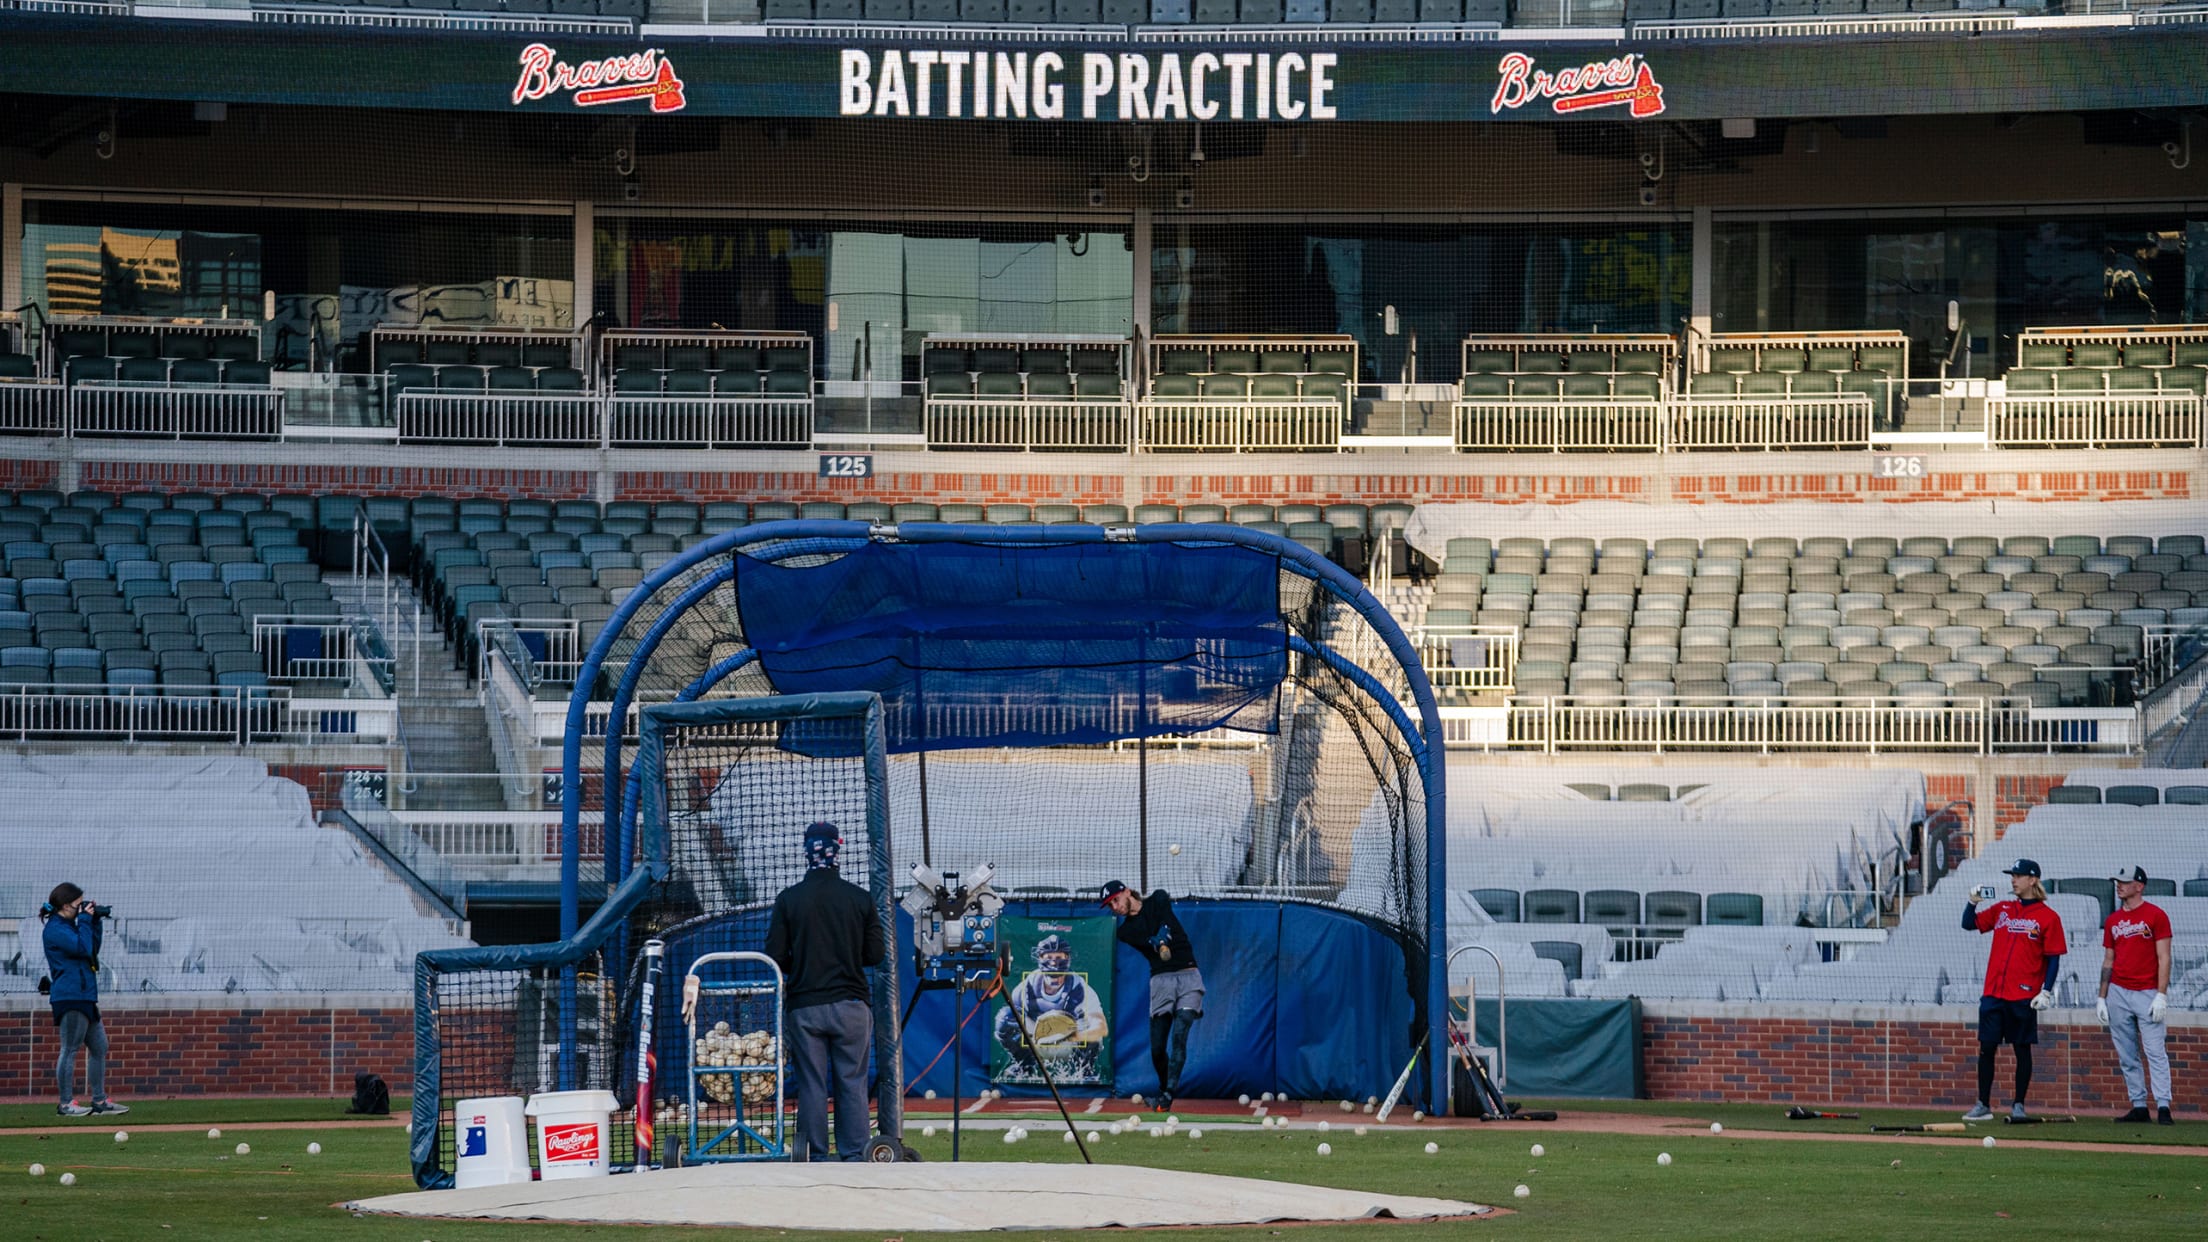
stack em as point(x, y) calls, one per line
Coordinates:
point(1210, 710)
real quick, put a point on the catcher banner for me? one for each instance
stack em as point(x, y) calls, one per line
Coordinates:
point(1066, 997)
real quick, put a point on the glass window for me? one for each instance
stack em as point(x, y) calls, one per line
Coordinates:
point(889, 286)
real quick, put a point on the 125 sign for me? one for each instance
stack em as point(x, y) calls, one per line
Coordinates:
point(847, 465)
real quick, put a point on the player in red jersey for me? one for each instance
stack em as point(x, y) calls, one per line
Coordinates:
point(2020, 977)
point(2135, 993)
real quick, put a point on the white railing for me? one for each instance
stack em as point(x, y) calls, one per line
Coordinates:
point(341, 652)
point(1238, 425)
point(2167, 648)
point(2093, 420)
point(1821, 27)
point(549, 720)
point(1472, 658)
point(1314, 32)
point(766, 421)
point(33, 407)
point(500, 638)
point(1020, 424)
point(218, 714)
point(502, 418)
point(177, 411)
point(1498, 424)
point(2171, 703)
point(489, 838)
point(504, 23)
point(1769, 422)
point(1869, 725)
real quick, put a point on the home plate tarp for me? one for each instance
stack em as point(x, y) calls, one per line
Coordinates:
point(896, 1198)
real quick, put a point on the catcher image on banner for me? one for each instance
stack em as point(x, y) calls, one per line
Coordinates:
point(1066, 998)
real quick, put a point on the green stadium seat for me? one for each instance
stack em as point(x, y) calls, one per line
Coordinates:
point(1551, 905)
point(1501, 904)
point(1735, 909)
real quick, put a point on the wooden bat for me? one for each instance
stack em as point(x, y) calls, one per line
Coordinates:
point(1937, 1127)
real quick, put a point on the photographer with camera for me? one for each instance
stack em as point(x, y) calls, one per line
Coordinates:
point(72, 984)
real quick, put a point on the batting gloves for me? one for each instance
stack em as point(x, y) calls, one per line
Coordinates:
point(2045, 1000)
point(2100, 1011)
point(2159, 1006)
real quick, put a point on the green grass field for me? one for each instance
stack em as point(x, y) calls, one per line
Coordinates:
point(184, 1185)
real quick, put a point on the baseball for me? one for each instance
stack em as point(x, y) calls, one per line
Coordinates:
point(1011, 1136)
point(1067, 1138)
point(1096, 1136)
point(1267, 1097)
point(1895, 1165)
point(314, 1149)
point(1371, 1100)
point(1326, 1149)
point(214, 1133)
point(245, 1149)
point(1663, 1157)
point(1324, 1127)
point(1243, 1099)
point(38, 1170)
point(1360, 1132)
point(1539, 1150)
point(1157, 1132)
point(1136, 1098)
point(1172, 849)
point(930, 1094)
point(1717, 1127)
point(122, 1136)
point(1417, 1116)
point(1348, 1107)
point(1989, 1140)
point(1431, 1148)
point(1195, 1134)
point(1523, 1191)
point(927, 1132)
point(1172, 1119)
point(68, 1179)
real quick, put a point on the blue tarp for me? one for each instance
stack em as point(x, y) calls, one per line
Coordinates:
point(979, 644)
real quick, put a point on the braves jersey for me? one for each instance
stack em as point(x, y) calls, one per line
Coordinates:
point(2025, 935)
point(2129, 937)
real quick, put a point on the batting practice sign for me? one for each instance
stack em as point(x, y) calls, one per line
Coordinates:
point(1088, 86)
point(1065, 998)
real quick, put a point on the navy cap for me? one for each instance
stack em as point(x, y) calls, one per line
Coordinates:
point(821, 830)
point(1111, 889)
point(2023, 866)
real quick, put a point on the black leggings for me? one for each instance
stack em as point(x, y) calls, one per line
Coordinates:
point(1985, 1070)
point(1169, 1047)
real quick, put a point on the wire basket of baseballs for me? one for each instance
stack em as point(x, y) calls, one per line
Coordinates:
point(722, 1046)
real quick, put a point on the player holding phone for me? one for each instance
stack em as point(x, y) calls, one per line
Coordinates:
point(2021, 967)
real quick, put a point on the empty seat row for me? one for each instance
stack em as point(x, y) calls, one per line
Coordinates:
point(637, 382)
point(2130, 795)
point(1043, 384)
point(2109, 354)
point(466, 377)
point(792, 358)
point(1237, 360)
point(2189, 381)
point(238, 373)
point(1620, 909)
point(1000, 360)
point(1805, 359)
point(1578, 361)
point(1627, 386)
point(1739, 547)
point(1750, 10)
point(176, 346)
point(461, 352)
point(1265, 387)
point(633, 10)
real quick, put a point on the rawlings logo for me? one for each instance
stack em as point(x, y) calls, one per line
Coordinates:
point(575, 1141)
point(616, 79)
point(1625, 80)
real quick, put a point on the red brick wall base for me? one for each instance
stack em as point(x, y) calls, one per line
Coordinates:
point(1899, 1057)
point(290, 1050)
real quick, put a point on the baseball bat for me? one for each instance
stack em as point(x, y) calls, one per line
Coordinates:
point(647, 1063)
point(1402, 1080)
point(1937, 1127)
point(2038, 1121)
point(1798, 1113)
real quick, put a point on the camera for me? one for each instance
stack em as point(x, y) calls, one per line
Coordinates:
point(99, 912)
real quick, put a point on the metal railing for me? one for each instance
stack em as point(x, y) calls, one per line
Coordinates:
point(500, 418)
point(176, 411)
point(33, 407)
point(1502, 424)
point(2167, 650)
point(739, 421)
point(1473, 658)
point(1820, 27)
point(319, 649)
point(1237, 425)
point(1764, 422)
point(305, 15)
point(1660, 724)
point(1020, 424)
point(1319, 33)
point(219, 714)
point(2093, 420)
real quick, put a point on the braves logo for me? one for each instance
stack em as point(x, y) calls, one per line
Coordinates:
point(1625, 80)
point(2030, 929)
point(616, 79)
point(2131, 929)
point(575, 1141)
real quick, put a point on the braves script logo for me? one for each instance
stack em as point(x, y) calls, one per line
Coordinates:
point(2132, 929)
point(616, 79)
point(576, 1141)
point(1626, 80)
point(2027, 928)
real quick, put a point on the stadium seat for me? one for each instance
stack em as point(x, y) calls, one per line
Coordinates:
point(2132, 795)
point(1735, 909)
point(1551, 905)
point(1501, 904)
point(2074, 795)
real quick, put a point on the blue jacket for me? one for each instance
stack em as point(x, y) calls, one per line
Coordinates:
point(71, 951)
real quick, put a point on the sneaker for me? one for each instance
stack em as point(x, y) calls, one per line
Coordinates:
point(72, 1109)
point(2162, 1116)
point(2136, 1117)
point(1164, 1102)
point(2017, 1113)
point(1979, 1112)
point(109, 1108)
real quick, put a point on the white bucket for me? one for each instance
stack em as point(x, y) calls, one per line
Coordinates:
point(491, 1142)
point(574, 1133)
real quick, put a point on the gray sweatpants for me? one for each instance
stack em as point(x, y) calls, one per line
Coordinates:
point(829, 1044)
point(2133, 1032)
point(78, 1031)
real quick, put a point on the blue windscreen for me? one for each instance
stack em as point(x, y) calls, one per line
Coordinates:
point(979, 644)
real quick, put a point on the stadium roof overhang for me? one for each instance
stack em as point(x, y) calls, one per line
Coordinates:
point(1296, 83)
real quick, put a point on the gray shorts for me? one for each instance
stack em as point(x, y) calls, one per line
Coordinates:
point(1177, 989)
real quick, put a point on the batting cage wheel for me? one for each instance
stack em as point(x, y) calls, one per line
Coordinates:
point(1065, 701)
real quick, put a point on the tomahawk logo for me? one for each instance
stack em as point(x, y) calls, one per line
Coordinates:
point(568, 1143)
point(594, 83)
point(1625, 81)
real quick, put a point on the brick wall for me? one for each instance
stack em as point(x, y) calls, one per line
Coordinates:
point(126, 476)
point(299, 1048)
point(23, 474)
point(1910, 1058)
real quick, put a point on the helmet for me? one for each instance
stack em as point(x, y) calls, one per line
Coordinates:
point(1053, 946)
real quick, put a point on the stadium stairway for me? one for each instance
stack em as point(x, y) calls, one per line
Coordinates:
point(442, 730)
